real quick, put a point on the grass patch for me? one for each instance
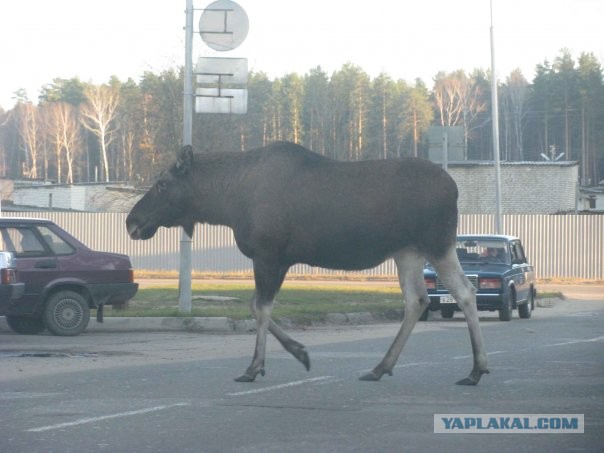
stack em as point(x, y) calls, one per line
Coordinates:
point(296, 300)
point(549, 294)
point(232, 300)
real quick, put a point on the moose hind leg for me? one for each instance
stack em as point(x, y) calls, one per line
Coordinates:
point(450, 272)
point(411, 279)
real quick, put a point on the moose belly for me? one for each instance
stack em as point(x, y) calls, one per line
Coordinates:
point(345, 251)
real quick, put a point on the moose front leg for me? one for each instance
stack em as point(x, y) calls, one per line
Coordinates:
point(263, 316)
point(295, 348)
point(268, 278)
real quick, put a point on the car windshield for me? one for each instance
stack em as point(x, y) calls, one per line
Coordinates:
point(483, 251)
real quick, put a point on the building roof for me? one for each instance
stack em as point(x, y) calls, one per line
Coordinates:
point(490, 163)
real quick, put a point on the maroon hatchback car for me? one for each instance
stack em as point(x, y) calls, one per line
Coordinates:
point(63, 278)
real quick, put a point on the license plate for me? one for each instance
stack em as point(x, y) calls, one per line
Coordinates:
point(447, 300)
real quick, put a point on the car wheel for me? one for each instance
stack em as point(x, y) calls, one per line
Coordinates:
point(505, 313)
point(447, 312)
point(25, 325)
point(526, 310)
point(67, 313)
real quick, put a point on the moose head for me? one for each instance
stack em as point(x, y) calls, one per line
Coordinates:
point(166, 203)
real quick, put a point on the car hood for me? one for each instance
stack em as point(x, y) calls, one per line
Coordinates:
point(475, 267)
point(484, 267)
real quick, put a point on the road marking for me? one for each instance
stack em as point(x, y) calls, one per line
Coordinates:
point(584, 314)
point(459, 357)
point(587, 340)
point(410, 364)
point(26, 395)
point(84, 421)
point(280, 386)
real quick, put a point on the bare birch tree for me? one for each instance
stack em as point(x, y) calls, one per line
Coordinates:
point(53, 132)
point(70, 137)
point(517, 97)
point(446, 98)
point(29, 131)
point(459, 101)
point(63, 132)
point(98, 114)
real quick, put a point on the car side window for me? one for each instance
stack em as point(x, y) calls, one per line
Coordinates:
point(517, 253)
point(55, 242)
point(23, 242)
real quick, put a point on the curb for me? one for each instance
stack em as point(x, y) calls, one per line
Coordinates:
point(163, 324)
point(217, 324)
point(172, 324)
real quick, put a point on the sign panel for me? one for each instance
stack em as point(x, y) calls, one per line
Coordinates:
point(225, 100)
point(226, 71)
point(223, 26)
point(222, 85)
point(455, 142)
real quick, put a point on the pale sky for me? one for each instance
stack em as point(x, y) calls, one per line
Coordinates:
point(44, 39)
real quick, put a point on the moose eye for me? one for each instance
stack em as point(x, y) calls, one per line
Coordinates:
point(161, 185)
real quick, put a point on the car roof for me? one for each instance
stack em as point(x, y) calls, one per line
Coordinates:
point(503, 237)
point(20, 220)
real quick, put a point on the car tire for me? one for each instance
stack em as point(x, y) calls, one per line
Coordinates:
point(505, 312)
point(67, 313)
point(526, 309)
point(25, 325)
point(447, 312)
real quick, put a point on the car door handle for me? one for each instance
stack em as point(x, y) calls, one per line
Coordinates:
point(46, 264)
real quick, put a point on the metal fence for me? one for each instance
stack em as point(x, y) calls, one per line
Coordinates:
point(558, 245)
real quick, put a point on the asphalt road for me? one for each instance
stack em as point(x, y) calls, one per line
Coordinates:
point(158, 392)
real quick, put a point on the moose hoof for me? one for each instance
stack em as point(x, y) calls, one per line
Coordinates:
point(304, 358)
point(467, 381)
point(299, 352)
point(375, 375)
point(473, 378)
point(249, 376)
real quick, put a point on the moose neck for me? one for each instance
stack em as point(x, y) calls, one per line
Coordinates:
point(213, 178)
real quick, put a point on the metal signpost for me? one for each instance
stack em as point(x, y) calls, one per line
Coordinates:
point(223, 26)
point(446, 144)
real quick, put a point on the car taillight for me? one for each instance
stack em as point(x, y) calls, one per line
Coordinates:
point(430, 283)
point(8, 276)
point(489, 283)
point(131, 275)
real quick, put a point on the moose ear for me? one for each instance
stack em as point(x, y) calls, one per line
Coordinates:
point(184, 159)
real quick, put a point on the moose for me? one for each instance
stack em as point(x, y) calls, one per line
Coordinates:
point(289, 205)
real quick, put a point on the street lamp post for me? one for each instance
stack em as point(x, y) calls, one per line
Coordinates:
point(495, 120)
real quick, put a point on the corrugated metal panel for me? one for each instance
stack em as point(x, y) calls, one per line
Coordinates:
point(558, 246)
point(475, 224)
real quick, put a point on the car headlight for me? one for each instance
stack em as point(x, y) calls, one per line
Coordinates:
point(489, 283)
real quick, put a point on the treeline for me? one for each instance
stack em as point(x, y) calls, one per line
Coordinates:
point(128, 131)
